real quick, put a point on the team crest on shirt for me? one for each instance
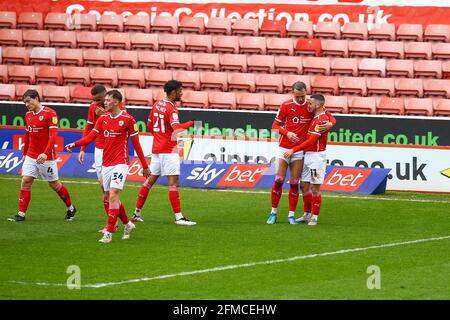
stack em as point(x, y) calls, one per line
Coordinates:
point(55, 120)
point(295, 120)
point(120, 123)
point(41, 118)
point(175, 116)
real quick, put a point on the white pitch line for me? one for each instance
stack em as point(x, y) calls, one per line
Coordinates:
point(238, 266)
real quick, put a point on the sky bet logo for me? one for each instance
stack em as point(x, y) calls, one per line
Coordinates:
point(243, 175)
point(345, 179)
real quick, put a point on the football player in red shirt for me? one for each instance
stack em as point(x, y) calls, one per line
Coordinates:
point(116, 126)
point(314, 147)
point(164, 124)
point(39, 155)
point(296, 117)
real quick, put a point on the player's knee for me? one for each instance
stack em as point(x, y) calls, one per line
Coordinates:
point(55, 185)
point(280, 179)
point(294, 180)
point(315, 191)
point(27, 182)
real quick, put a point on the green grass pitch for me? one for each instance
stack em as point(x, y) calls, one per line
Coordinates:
point(231, 253)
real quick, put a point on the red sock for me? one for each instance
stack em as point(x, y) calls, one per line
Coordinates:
point(106, 201)
point(277, 191)
point(174, 197)
point(307, 201)
point(64, 195)
point(24, 199)
point(293, 195)
point(123, 214)
point(316, 202)
point(142, 196)
point(114, 211)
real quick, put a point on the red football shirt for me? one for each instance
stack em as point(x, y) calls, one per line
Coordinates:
point(164, 114)
point(116, 131)
point(296, 118)
point(92, 120)
point(321, 144)
point(38, 126)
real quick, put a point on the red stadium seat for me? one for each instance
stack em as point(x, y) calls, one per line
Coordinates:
point(355, 30)
point(241, 82)
point(110, 22)
point(94, 57)
point(252, 45)
point(117, 40)
point(436, 88)
point(194, 99)
point(43, 56)
point(89, 39)
point(218, 26)
point(437, 32)
point(8, 19)
point(344, 66)
point(30, 20)
point(260, 63)
point(441, 51)
point(7, 92)
point(233, 62)
point(137, 23)
point(273, 101)
point(222, 100)
point(366, 48)
point(273, 28)
point(162, 24)
point(190, 79)
point(441, 107)
point(362, 105)
point(419, 107)
point(391, 106)
point(105, 76)
point(81, 21)
point(130, 77)
point(282, 46)
point(302, 29)
point(151, 59)
point(198, 43)
point(289, 80)
point(314, 65)
point(158, 94)
point(157, 78)
point(410, 32)
point(250, 101)
point(324, 85)
point(407, 87)
point(143, 97)
point(16, 55)
point(56, 94)
point(192, 25)
point(328, 29)
point(331, 47)
point(428, 68)
point(3, 73)
point(400, 68)
point(19, 74)
point(80, 94)
point(336, 104)
point(76, 75)
point(36, 38)
point(57, 20)
point(144, 41)
point(171, 42)
point(269, 83)
point(178, 60)
point(69, 57)
point(308, 47)
point(383, 31)
point(380, 86)
point(288, 64)
point(21, 88)
point(11, 37)
point(245, 27)
point(352, 85)
point(124, 58)
point(63, 39)
point(214, 81)
point(225, 44)
point(205, 61)
point(390, 49)
point(417, 50)
point(48, 74)
point(446, 70)
point(372, 67)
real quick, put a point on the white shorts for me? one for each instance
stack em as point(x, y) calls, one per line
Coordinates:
point(114, 176)
point(165, 164)
point(296, 156)
point(98, 160)
point(314, 167)
point(48, 170)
